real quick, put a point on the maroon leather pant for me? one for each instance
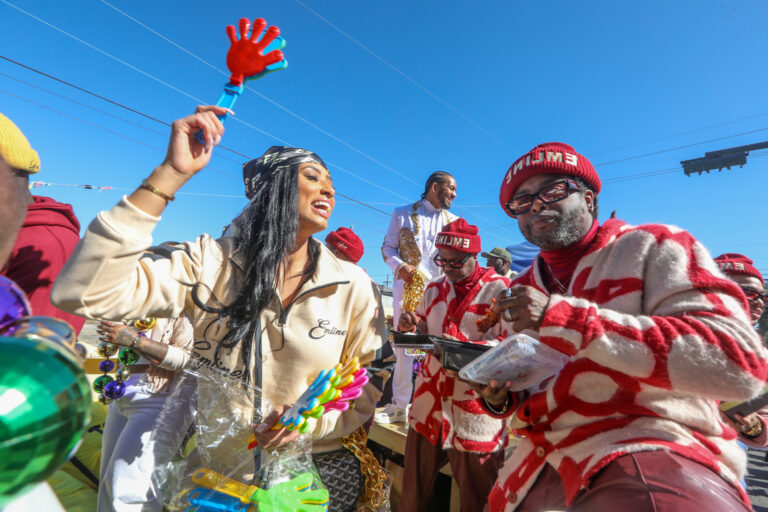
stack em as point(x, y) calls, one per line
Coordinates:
point(657, 481)
point(475, 474)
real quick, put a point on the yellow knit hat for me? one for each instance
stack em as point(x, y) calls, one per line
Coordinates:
point(15, 148)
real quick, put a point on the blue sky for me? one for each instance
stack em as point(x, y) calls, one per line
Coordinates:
point(443, 85)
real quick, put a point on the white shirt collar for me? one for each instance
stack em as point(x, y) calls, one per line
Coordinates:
point(428, 206)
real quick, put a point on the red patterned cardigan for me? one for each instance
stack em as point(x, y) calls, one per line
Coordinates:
point(442, 403)
point(657, 336)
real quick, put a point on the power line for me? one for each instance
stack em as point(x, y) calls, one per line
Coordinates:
point(168, 124)
point(646, 174)
point(103, 98)
point(364, 204)
point(35, 184)
point(138, 70)
point(679, 147)
point(187, 94)
point(404, 75)
point(144, 115)
point(86, 91)
point(641, 175)
point(79, 119)
point(94, 125)
point(679, 134)
point(99, 127)
point(263, 96)
point(84, 105)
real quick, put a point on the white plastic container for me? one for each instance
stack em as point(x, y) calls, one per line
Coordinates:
point(519, 358)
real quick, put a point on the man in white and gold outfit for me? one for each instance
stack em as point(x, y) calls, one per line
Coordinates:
point(408, 248)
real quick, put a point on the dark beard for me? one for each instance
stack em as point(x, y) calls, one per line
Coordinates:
point(566, 231)
point(443, 199)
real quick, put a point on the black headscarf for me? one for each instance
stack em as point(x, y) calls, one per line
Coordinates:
point(275, 159)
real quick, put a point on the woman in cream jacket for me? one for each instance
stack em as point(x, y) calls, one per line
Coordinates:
point(269, 304)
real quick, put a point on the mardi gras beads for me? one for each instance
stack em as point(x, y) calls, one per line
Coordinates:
point(106, 350)
point(128, 357)
point(111, 388)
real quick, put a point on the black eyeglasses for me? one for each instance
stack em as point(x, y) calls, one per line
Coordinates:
point(754, 295)
point(453, 263)
point(549, 194)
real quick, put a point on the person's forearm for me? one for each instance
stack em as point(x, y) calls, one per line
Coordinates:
point(164, 179)
point(176, 358)
point(152, 350)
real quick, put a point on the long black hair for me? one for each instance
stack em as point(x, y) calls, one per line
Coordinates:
point(264, 233)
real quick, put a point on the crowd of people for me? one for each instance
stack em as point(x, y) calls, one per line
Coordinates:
point(656, 332)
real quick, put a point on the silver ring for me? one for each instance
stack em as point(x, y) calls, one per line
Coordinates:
point(506, 316)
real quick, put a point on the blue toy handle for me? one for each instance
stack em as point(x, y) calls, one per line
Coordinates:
point(226, 100)
point(207, 500)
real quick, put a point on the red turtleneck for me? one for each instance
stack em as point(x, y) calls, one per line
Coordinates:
point(559, 264)
point(462, 287)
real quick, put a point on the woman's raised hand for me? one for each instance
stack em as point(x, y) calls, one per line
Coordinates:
point(186, 156)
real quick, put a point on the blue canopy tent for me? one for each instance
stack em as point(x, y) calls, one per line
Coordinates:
point(522, 255)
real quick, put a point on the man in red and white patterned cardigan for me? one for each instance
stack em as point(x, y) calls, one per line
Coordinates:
point(740, 269)
point(447, 422)
point(656, 336)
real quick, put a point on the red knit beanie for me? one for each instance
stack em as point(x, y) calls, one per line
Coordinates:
point(734, 263)
point(459, 236)
point(548, 158)
point(347, 242)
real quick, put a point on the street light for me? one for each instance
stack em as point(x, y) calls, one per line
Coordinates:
point(720, 159)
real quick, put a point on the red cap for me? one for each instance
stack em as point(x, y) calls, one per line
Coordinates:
point(459, 236)
point(734, 263)
point(347, 242)
point(548, 158)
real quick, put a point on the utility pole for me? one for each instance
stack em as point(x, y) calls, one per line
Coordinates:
point(722, 158)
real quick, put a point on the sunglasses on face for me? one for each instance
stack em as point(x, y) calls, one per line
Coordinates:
point(754, 295)
point(548, 194)
point(452, 263)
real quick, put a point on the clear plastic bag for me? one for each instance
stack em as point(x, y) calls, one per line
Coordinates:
point(203, 462)
point(519, 358)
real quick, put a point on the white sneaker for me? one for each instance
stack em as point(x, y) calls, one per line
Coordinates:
point(391, 414)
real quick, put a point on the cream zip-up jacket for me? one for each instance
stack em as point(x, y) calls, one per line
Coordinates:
point(336, 315)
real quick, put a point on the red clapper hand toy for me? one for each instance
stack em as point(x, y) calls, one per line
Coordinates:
point(247, 60)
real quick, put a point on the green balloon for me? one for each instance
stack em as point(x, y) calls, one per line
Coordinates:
point(45, 405)
point(128, 356)
point(101, 381)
